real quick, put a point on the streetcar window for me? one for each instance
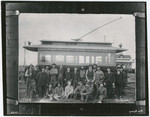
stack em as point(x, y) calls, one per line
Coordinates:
point(87, 59)
point(106, 59)
point(45, 58)
point(99, 59)
point(81, 59)
point(59, 58)
point(92, 59)
point(70, 59)
point(109, 57)
point(76, 59)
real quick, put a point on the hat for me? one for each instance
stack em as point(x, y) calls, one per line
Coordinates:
point(94, 65)
point(118, 66)
point(31, 65)
point(121, 66)
point(53, 64)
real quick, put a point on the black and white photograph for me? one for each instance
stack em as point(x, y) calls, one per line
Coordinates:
point(75, 57)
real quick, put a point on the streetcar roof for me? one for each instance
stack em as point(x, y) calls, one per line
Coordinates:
point(74, 47)
point(74, 42)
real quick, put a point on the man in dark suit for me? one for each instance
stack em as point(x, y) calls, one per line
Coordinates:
point(42, 83)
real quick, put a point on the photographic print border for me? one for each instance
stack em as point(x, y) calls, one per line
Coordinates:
point(10, 43)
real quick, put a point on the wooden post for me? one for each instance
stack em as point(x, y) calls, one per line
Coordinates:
point(140, 60)
point(12, 59)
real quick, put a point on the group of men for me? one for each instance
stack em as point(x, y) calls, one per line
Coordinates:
point(79, 84)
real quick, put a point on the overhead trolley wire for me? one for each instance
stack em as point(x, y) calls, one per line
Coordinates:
point(100, 27)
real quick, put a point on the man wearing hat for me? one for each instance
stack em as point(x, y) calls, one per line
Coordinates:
point(78, 90)
point(86, 93)
point(99, 77)
point(101, 93)
point(68, 76)
point(90, 74)
point(61, 75)
point(42, 83)
point(119, 81)
point(82, 74)
point(124, 72)
point(30, 78)
point(36, 72)
point(75, 77)
point(94, 68)
point(109, 82)
point(48, 72)
point(59, 92)
point(53, 74)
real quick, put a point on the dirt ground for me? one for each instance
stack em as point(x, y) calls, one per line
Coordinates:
point(129, 98)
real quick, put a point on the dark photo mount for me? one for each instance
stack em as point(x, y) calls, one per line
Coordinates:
point(10, 44)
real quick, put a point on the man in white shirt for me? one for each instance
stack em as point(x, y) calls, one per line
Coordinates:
point(69, 90)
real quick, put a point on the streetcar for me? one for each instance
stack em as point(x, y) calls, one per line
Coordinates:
point(76, 53)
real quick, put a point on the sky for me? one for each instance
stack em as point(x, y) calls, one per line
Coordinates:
point(64, 27)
